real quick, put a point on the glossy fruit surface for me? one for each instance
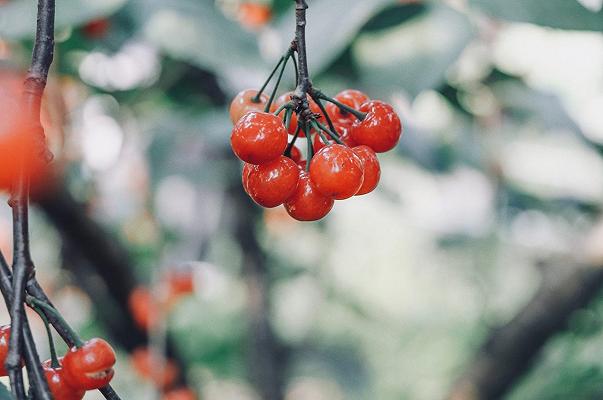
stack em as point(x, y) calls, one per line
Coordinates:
point(58, 385)
point(336, 172)
point(143, 308)
point(271, 184)
point(162, 372)
point(371, 167)
point(258, 138)
point(296, 154)
point(180, 394)
point(90, 366)
point(351, 98)
point(380, 130)
point(4, 339)
point(307, 203)
point(243, 103)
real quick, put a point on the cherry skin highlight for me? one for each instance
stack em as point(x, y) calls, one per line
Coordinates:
point(307, 203)
point(336, 172)
point(90, 366)
point(381, 128)
point(351, 98)
point(258, 138)
point(372, 169)
point(271, 184)
point(243, 103)
point(58, 385)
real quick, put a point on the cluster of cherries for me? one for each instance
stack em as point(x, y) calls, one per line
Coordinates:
point(85, 367)
point(341, 157)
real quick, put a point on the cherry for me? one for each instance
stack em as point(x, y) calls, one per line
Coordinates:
point(336, 171)
point(247, 168)
point(180, 394)
point(254, 15)
point(296, 154)
point(307, 203)
point(258, 138)
point(381, 128)
point(350, 97)
point(243, 103)
point(271, 184)
point(152, 368)
point(143, 308)
point(90, 366)
point(57, 383)
point(4, 339)
point(97, 28)
point(372, 170)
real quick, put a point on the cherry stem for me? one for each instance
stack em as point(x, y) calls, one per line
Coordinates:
point(333, 135)
point(54, 361)
point(296, 68)
point(290, 145)
point(324, 111)
point(282, 107)
point(256, 98)
point(278, 81)
point(321, 135)
point(358, 114)
point(78, 342)
point(310, 147)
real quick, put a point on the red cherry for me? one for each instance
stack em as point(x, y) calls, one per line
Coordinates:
point(247, 168)
point(4, 339)
point(271, 184)
point(350, 97)
point(90, 366)
point(180, 394)
point(163, 373)
point(254, 15)
point(143, 308)
point(243, 103)
point(336, 171)
point(381, 128)
point(307, 203)
point(258, 138)
point(372, 170)
point(57, 383)
point(296, 154)
point(97, 28)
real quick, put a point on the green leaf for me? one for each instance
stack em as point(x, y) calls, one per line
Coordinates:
point(414, 56)
point(197, 32)
point(18, 21)
point(331, 26)
point(5, 394)
point(564, 14)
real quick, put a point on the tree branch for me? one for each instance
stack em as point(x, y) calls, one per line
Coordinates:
point(509, 351)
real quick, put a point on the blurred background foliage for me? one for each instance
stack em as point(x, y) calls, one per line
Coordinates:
point(496, 184)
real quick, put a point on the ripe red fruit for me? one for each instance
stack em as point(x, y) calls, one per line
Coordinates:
point(350, 97)
point(307, 203)
point(381, 128)
point(254, 15)
point(180, 394)
point(296, 154)
point(247, 168)
point(153, 368)
point(58, 385)
point(90, 366)
point(370, 165)
point(143, 308)
point(336, 171)
point(180, 282)
point(97, 28)
point(271, 184)
point(4, 339)
point(243, 103)
point(258, 138)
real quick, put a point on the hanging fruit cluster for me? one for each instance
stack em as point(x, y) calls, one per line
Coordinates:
point(342, 141)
